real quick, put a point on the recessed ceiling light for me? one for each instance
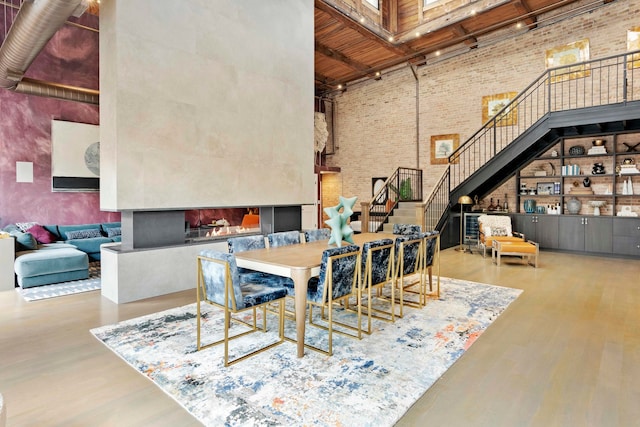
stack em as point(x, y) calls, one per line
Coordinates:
point(362, 19)
point(473, 11)
point(519, 25)
point(417, 33)
point(390, 38)
point(437, 53)
point(339, 86)
point(377, 73)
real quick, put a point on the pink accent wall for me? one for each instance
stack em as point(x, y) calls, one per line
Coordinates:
point(70, 57)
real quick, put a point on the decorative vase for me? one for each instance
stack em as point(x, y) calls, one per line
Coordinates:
point(573, 205)
point(630, 187)
point(529, 206)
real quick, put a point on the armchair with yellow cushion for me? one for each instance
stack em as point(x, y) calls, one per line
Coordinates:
point(496, 227)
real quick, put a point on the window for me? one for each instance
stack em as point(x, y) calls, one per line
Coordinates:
point(429, 2)
point(376, 3)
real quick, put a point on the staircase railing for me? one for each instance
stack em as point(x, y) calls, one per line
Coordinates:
point(436, 204)
point(592, 83)
point(404, 185)
point(610, 80)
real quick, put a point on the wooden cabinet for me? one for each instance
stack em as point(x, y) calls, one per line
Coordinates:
point(626, 236)
point(588, 234)
point(542, 229)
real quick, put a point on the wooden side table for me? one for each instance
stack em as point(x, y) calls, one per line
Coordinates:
point(7, 257)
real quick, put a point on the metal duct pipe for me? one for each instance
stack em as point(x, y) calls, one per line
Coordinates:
point(55, 90)
point(35, 24)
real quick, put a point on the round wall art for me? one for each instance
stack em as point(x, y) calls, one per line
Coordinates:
point(92, 158)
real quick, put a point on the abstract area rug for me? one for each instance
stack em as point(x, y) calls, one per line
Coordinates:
point(368, 382)
point(65, 288)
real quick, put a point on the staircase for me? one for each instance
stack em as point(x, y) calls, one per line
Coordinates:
point(604, 98)
point(404, 213)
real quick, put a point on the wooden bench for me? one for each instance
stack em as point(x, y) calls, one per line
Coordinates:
point(530, 249)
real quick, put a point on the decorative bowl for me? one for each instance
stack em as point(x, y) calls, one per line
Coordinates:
point(598, 142)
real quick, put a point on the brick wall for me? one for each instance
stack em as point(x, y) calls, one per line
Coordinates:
point(376, 120)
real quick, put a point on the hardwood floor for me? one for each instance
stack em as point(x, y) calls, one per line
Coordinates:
point(566, 353)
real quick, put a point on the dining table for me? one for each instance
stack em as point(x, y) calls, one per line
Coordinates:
point(300, 262)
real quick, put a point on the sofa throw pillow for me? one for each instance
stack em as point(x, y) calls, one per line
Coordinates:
point(41, 234)
point(10, 227)
point(83, 234)
point(114, 231)
point(499, 231)
point(24, 241)
point(24, 226)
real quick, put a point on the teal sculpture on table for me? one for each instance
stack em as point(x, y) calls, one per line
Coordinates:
point(340, 230)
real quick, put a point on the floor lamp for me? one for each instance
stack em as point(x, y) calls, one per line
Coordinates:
point(463, 200)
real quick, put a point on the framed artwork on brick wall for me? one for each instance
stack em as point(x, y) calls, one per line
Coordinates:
point(493, 104)
point(442, 146)
point(377, 186)
point(633, 43)
point(568, 54)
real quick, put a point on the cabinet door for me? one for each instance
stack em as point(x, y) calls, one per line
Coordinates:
point(571, 233)
point(598, 236)
point(547, 231)
point(525, 224)
point(626, 236)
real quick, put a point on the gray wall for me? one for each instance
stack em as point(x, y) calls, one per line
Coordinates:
point(206, 103)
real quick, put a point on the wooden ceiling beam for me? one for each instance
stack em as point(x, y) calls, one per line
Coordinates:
point(338, 56)
point(322, 81)
point(531, 21)
point(459, 31)
point(349, 62)
point(363, 31)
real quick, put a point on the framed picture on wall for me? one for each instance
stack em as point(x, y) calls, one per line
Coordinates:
point(442, 146)
point(568, 54)
point(75, 156)
point(493, 104)
point(377, 186)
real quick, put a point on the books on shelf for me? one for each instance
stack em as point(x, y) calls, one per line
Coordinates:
point(568, 170)
point(628, 169)
point(595, 150)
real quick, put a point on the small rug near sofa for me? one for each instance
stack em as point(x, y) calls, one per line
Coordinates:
point(65, 288)
point(371, 382)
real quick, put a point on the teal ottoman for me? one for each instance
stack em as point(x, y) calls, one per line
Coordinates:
point(47, 266)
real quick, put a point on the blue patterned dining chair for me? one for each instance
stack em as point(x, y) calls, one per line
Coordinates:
point(283, 238)
point(408, 263)
point(248, 243)
point(339, 278)
point(430, 258)
point(219, 285)
point(318, 234)
point(406, 229)
point(377, 268)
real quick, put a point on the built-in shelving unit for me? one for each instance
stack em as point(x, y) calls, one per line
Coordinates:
point(556, 179)
point(564, 172)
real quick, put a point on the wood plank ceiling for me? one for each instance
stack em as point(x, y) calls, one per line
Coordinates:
point(355, 41)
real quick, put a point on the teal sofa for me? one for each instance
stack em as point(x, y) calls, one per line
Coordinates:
point(66, 254)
